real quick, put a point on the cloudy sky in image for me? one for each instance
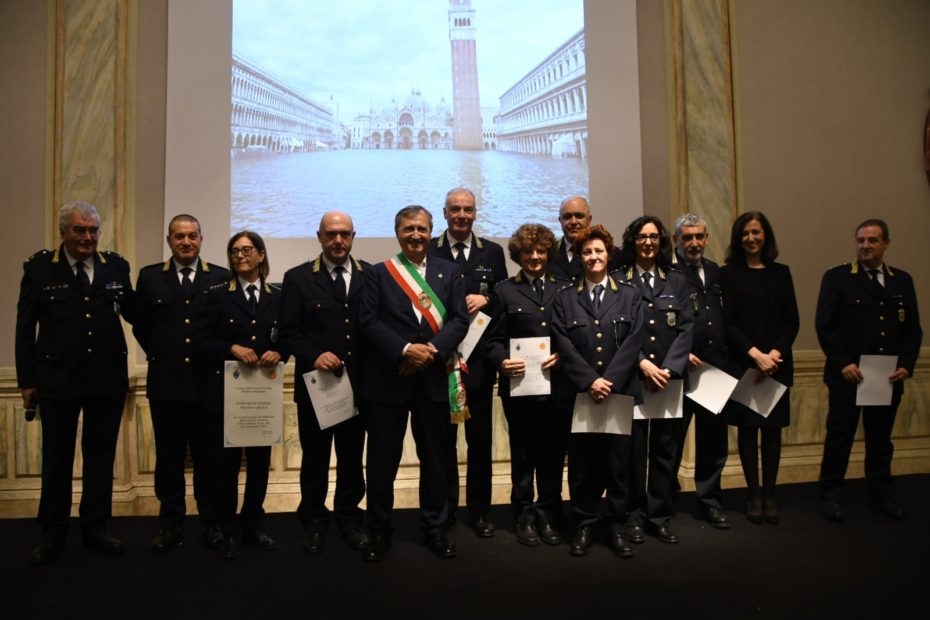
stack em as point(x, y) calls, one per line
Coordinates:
point(368, 51)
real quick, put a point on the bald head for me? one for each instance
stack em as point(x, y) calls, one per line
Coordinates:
point(335, 235)
point(574, 216)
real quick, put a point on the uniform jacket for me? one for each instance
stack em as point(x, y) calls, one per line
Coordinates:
point(855, 318)
point(78, 350)
point(516, 312)
point(559, 266)
point(389, 323)
point(668, 321)
point(164, 327)
point(484, 268)
point(314, 320)
point(227, 320)
point(593, 344)
point(706, 302)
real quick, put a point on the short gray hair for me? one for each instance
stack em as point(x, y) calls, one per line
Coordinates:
point(459, 190)
point(85, 208)
point(689, 219)
point(411, 211)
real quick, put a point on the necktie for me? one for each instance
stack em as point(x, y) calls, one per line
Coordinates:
point(339, 282)
point(538, 287)
point(82, 275)
point(253, 302)
point(598, 289)
point(187, 285)
point(696, 270)
point(460, 257)
point(873, 274)
point(647, 279)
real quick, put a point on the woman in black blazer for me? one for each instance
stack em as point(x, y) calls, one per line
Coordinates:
point(761, 314)
point(522, 308)
point(596, 325)
point(240, 322)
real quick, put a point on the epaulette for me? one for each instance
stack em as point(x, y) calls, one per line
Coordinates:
point(269, 286)
point(39, 253)
point(625, 283)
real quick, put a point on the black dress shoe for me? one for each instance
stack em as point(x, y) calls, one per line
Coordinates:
point(46, 552)
point(313, 543)
point(356, 539)
point(831, 510)
point(378, 545)
point(229, 547)
point(754, 511)
point(716, 518)
point(549, 534)
point(439, 543)
point(482, 527)
point(104, 542)
point(618, 543)
point(889, 509)
point(582, 541)
point(635, 533)
point(258, 538)
point(212, 536)
point(526, 534)
point(663, 532)
point(167, 538)
point(770, 512)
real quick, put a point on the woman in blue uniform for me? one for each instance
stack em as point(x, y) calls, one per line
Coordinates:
point(240, 322)
point(596, 325)
point(522, 308)
point(666, 342)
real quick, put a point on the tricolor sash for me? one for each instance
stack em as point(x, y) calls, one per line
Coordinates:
point(425, 300)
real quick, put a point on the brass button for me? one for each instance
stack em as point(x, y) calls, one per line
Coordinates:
point(709, 323)
point(187, 321)
point(883, 334)
point(881, 349)
point(652, 321)
point(543, 324)
point(253, 338)
point(86, 298)
point(348, 321)
point(650, 304)
point(600, 363)
point(599, 349)
point(87, 316)
point(90, 333)
point(542, 308)
point(187, 302)
point(652, 356)
point(230, 321)
point(187, 360)
point(881, 318)
point(89, 350)
point(348, 336)
point(598, 335)
point(187, 341)
point(652, 338)
point(253, 321)
point(597, 321)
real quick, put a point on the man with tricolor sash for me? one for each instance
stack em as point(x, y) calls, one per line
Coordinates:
point(413, 317)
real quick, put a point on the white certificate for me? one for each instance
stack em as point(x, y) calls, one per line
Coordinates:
point(533, 352)
point(760, 397)
point(710, 387)
point(875, 389)
point(477, 323)
point(662, 405)
point(253, 405)
point(331, 396)
point(614, 415)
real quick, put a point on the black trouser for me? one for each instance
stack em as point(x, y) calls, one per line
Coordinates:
point(177, 425)
point(478, 441)
point(59, 418)
point(316, 445)
point(387, 425)
point(538, 440)
point(653, 469)
point(842, 422)
point(711, 447)
point(258, 460)
point(598, 462)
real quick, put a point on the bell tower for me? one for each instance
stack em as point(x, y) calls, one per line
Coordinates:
point(466, 104)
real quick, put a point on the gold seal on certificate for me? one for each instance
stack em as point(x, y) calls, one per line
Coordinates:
point(253, 405)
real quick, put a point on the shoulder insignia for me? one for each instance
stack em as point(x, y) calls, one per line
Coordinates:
point(232, 285)
point(317, 264)
point(661, 272)
point(519, 277)
point(55, 256)
point(357, 263)
point(167, 266)
point(854, 269)
point(268, 287)
point(580, 285)
point(441, 240)
point(42, 253)
point(613, 284)
point(206, 266)
point(888, 271)
point(478, 242)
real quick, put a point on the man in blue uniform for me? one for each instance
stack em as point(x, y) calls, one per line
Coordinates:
point(710, 433)
point(170, 296)
point(864, 308)
point(320, 326)
point(481, 266)
point(71, 357)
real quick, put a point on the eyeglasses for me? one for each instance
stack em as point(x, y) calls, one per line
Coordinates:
point(639, 237)
point(244, 250)
point(80, 231)
point(690, 236)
